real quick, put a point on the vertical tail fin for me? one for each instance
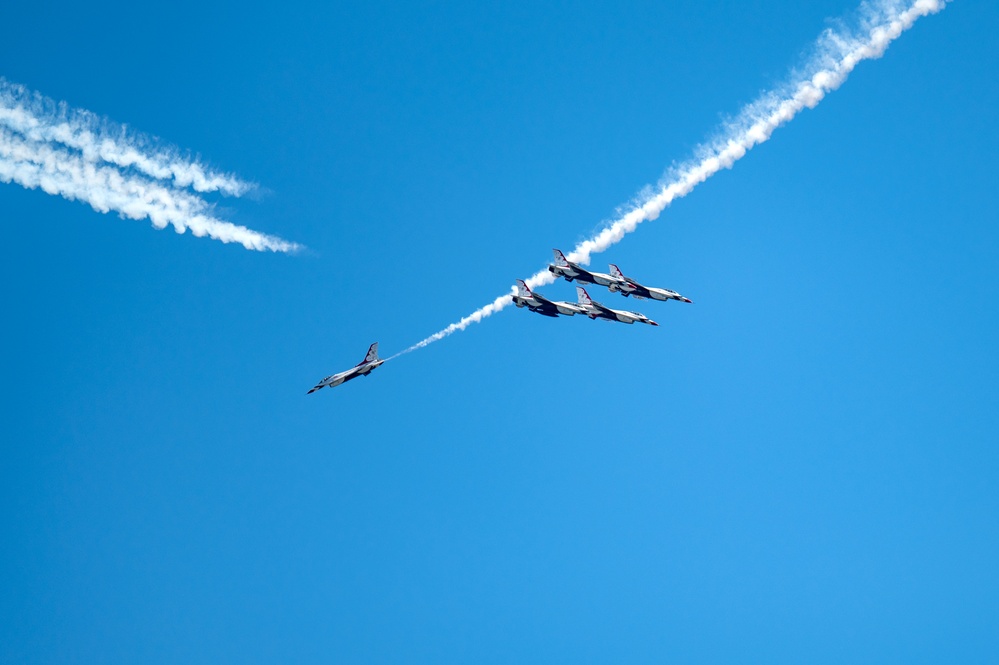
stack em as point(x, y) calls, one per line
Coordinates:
point(583, 296)
point(560, 259)
point(522, 289)
point(372, 354)
point(616, 272)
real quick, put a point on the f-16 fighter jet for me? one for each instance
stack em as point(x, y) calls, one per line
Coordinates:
point(595, 310)
point(363, 368)
point(538, 303)
point(629, 287)
point(566, 268)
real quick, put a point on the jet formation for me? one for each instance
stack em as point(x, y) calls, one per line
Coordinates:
point(615, 282)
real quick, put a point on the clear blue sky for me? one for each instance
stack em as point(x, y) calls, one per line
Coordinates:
point(800, 467)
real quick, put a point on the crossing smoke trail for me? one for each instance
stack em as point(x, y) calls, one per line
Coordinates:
point(837, 53)
point(80, 156)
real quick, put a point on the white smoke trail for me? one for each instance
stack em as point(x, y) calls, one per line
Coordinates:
point(58, 171)
point(40, 119)
point(837, 53)
point(76, 155)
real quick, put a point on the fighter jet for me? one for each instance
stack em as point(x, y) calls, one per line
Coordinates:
point(595, 310)
point(363, 368)
point(565, 268)
point(538, 303)
point(629, 287)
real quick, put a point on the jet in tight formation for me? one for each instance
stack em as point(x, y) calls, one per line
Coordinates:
point(629, 287)
point(539, 304)
point(573, 271)
point(616, 281)
point(595, 310)
point(363, 368)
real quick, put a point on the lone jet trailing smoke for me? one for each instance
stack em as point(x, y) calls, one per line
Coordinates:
point(363, 368)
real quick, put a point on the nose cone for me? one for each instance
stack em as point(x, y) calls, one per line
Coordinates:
point(653, 323)
point(687, 300)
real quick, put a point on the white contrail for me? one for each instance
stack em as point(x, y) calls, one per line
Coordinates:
point(80, 157)
point(40, 119)
point(837, 53)
point(58, 171)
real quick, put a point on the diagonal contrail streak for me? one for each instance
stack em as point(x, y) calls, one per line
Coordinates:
point(837, 53)
point(81, 157)
point(58, 171)
point(98, 139)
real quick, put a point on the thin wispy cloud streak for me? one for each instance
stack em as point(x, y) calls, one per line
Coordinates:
point(77, 155)
point(836, 53)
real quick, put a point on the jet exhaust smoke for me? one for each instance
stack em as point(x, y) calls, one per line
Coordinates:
point(80, 156)
point(836, 53)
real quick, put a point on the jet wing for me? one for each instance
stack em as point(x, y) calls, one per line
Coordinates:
point(603, 280)
point(603, 308)
point(541, 299)
point(635, 285)
point(553, 308)
point(598, 278)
